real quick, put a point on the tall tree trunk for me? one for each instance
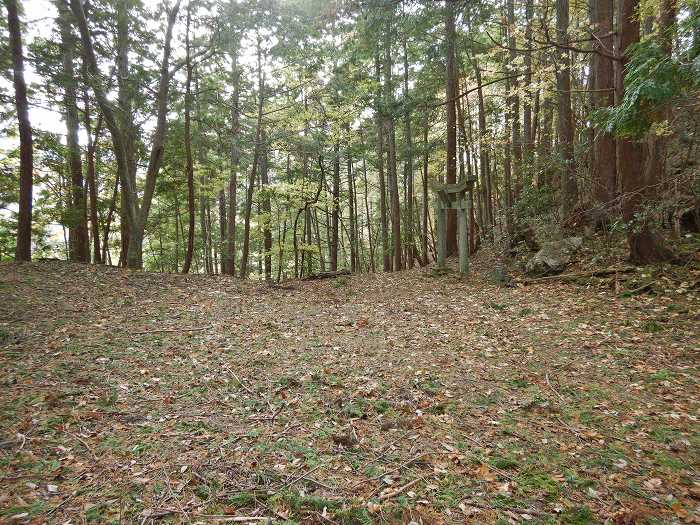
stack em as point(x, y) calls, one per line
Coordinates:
point(121, 132)
point(408, 165)
point(352, 218)
point(127, 209)
point(392, 175)
point(108, 220)
point(204, 222)
point(450, 97)
point(23, 249)
point(78, 241)
point(484, 162)
point(189, 162)
point(91, 153)
point(386, 259)
point(645, 244)
point(368, 215)
point(426, 195)
point(221, 245)
point(604, 168)
point(335, 210)
point(508, 148)
point(254, 167)
point(565, 125)
point(516, 140)
point(265, 207)
point(528, 138)
point(230, 250)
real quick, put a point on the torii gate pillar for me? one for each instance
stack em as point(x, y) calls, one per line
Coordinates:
point(454, 197)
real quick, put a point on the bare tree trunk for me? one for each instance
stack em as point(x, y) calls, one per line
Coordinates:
point(604, 168)
point(645, 244)
point(352, 218)
point(527, 100)
point(450, 94)
point(386, 259)
point(484, 161)
point(79, 247)
point(265, 207)
point(335, 210)
point(426, 196)
point(392, 175)
point(565, 125)
point(189, 163)
point(516, 140)
point(108, 220)
point(93, 141)
point(122, 133)
point(23, 249)
point(254, 167)
point(368, 215)
point(408, 165)
point(230, 251)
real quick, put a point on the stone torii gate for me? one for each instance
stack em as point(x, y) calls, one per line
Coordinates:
point(454, 197)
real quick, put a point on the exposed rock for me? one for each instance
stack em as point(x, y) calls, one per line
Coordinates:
point(554, 256)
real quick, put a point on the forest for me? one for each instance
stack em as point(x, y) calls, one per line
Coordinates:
point(349, 261)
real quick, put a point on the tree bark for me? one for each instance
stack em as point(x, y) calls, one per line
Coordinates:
point(121, 132)
point(450, 93)
point(189, 163)
point(645, 244)
point(565, 125)
point(230, 250)
point(265, 207)
point(254, 167)
point(351, 207)
point(604, 167)
point(392, 175)
point(379, 109)
point(408, 165)
point(23, 249)
point(93, 140)
point(78, 241)
point(335, 210)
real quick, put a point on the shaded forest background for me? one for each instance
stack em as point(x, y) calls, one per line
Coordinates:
point(282, 138)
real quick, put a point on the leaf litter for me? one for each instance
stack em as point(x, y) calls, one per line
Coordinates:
point(389, 398)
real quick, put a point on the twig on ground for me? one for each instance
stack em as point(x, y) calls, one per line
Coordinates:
point(298, 478)
point(236, 519)
point(594, 273)
point(399, 490)
point(640, 289)
point(87, 447)
point(243, 386)
point(546, 376)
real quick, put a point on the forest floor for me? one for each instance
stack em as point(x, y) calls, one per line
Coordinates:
point(140, 398)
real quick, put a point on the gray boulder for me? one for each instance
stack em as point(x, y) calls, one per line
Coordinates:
point(554, 256)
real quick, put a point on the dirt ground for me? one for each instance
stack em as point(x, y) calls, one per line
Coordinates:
point(394, 398)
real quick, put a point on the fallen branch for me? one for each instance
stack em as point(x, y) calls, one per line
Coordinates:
point(326, 275)
point(641, 289)
point(594, 273)
point(398, 491)
point(237, 519)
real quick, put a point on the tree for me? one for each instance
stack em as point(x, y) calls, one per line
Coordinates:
point(450, 96)
point(78, 236)
point(604, 167)
point(565, 125)
point(189, 162)
point(136, 215)
point(23, 250)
